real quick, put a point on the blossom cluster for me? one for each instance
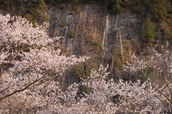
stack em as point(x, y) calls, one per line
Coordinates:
point(136, 64)
point(161, 65)
point(106, 96)
point(29, 64)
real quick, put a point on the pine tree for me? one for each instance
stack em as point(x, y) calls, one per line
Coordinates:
point(148, 30)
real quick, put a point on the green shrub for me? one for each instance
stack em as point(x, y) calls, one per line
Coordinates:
point(78, 70)
point(148, 70)
point(28, 16)
point(96, 58)
point(34, 21)
point(74, 3)
point(117, 6)
point(41, 4)
point(31, 9)
point(148, 30)
point(45, 18)
point(142, 10)
point(115, 81)
point(84, 89)
point(98, 44)
point(30, 6)
point(117, 53)
point(168, 33)
point(87, 72)
point(95, 66)
point(11, 14)
point(72, 33)
point(159, 9)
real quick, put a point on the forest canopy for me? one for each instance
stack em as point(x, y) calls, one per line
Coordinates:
point(158, 9)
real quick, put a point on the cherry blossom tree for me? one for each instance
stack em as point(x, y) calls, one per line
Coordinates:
point(106, 96)
point(161, 64)
point(29, 65)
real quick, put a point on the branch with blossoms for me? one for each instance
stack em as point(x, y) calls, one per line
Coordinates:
point(106, 96)
point(28, 63)
point(27, 83)
point(17, 91)
point(160, 62)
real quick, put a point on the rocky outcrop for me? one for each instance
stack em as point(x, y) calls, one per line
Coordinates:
point(87, 21)
point(92, 24)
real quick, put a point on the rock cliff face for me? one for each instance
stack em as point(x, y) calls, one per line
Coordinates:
point(92, 23)
point(94, 26)
point(87, 21)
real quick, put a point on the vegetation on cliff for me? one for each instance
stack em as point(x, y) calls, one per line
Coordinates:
point(156, 16)
point(32, 67)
